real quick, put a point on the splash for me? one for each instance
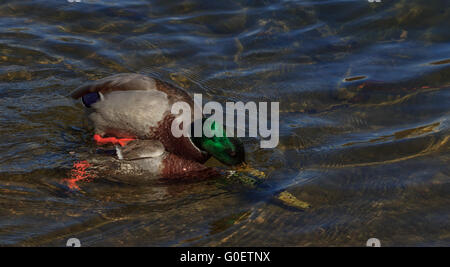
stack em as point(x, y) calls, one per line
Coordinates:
point(79, 173)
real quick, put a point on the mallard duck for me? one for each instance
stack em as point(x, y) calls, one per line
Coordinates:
point(133, 112)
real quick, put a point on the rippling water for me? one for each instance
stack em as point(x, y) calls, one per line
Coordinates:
point(364, 120)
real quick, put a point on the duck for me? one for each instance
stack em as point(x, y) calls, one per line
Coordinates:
point(132, 112)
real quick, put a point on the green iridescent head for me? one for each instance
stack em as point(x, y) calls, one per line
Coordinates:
point(228, 150)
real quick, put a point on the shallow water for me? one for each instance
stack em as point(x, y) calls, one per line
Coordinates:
point(364, 120)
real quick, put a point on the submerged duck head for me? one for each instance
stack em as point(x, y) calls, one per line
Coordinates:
point(228, 150)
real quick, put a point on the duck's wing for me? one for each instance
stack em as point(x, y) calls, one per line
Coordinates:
point(140, 149)
point(131, 82)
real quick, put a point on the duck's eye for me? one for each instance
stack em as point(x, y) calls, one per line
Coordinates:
point(89, 99)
